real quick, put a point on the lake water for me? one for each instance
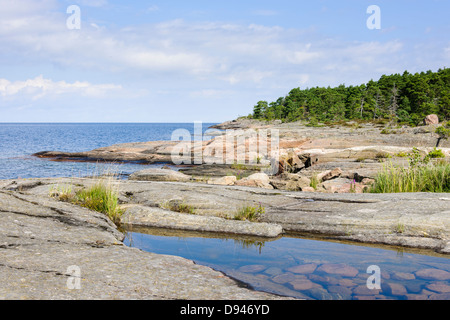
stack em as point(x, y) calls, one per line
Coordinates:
point(302, 268)
point(19, 141)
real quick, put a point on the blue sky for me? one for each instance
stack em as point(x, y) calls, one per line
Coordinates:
point(210, 61)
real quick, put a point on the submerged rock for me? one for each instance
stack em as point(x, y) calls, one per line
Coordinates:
point(339, 269)
point(433, 274)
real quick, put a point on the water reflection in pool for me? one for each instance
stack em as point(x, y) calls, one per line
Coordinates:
point(309, 269)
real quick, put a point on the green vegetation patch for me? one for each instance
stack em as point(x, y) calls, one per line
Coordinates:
point(250, 213)
point(100, 197)
point(404, 99)
point(419, 178)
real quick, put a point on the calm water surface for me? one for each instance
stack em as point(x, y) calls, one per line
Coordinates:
point(309, 269)
point(18, 141)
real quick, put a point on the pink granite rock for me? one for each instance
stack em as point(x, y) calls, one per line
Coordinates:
point(431, 119)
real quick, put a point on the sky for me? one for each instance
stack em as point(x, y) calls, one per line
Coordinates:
point(209, 61)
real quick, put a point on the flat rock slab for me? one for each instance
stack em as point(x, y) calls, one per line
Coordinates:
point(142, 216)
point(57, 251)
point(418, 220)
point(155, 174)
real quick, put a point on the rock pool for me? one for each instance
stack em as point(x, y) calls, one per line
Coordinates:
point(308, 268)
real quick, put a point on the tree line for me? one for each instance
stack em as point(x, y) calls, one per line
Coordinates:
point(402, 98)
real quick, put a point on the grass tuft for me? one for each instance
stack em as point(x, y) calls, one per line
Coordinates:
point(101, 197)
point(423, 178)
point(250, 213)
point(177, 206)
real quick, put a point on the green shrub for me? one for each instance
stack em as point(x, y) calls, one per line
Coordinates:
point(250, 213)
point(401, 154)
point(436, 153)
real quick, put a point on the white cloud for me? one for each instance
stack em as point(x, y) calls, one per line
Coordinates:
point(40, 87)
point(169, 61)
point(198, 51)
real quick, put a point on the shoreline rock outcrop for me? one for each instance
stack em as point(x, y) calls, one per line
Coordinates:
point(356, 152)
point(415, 220)
point(51, 250)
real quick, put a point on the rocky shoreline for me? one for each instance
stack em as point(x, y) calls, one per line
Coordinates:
point(42, 237)
point(51, 250)
point(343, 161)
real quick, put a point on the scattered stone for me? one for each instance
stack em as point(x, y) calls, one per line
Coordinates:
point(260, 180)
point(413, 287)
point(367, 181)
point(329, 174)
point(439, 287)
point(403, 276)
point(431, 119)
point(321, 279)
point(395, 289)
point(320, 293)
point(223, 181)
point(308, 189)
point(278, 183)
point(284, 278)
point(340, 290)
point(346, 283)
point(362, 290)
point(303, 268)
point(439, 296)
point(339, 269)
point(298, 183)
point(254, 268)
point(273, 271)
point(290, 162)
point(302, 284)
point(433, 274)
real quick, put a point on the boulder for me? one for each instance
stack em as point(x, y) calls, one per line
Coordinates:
point(431, 119)
point(155, 174)
point(290, 162)
point(298, 184)
point(260, 180)
point(223, 181)
point(329, 174)
point(308, 189)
